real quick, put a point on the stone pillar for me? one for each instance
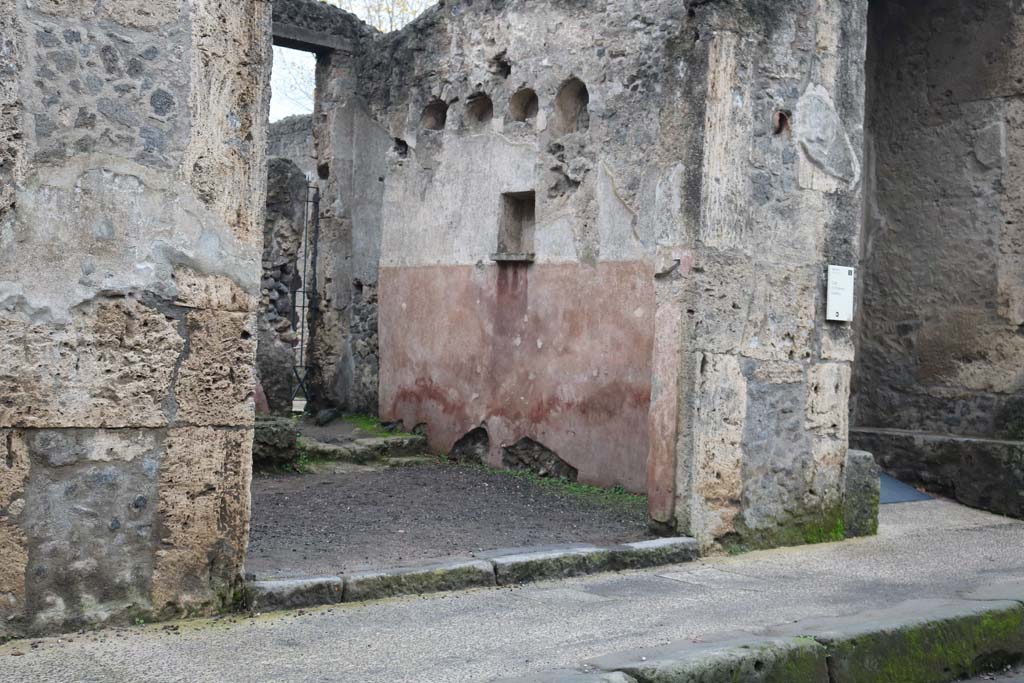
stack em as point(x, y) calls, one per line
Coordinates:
point(132, 138)
point(352, 149)
point(763, 379)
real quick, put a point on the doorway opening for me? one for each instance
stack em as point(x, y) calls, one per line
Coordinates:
point(939, 377)
point(286, 320)
point(336, 490)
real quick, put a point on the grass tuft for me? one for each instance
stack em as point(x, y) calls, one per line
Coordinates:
point(371, 425)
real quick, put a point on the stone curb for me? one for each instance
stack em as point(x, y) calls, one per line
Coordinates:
point(750, 660)
point(497, 568)
point(550, 564)
point(572, 677)
point(919, 641)
point(655, 553)
point(285, 594)
point(418, 580)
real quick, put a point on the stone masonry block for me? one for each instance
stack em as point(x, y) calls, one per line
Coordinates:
point(216, 382)
point(215, 292)
point(861, 494)
point(110, 367)
point(89, 517)
point(142, 13)
point(14, 471)
point(203, 522)
point(765, 312)
point(828, 390)
point(718, 449)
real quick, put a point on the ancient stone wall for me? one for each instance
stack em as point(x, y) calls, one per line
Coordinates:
point(279, 323)
point(751, 414)
point(292, 139)
point(529, 131)
point(940, 374)
point(132, 137)
point(661, 325)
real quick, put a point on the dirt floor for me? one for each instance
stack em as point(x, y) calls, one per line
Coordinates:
point(369, 518)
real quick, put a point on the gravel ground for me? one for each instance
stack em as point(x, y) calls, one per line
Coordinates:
point(326, 524)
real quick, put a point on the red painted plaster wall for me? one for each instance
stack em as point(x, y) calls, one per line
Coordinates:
point(560, 353)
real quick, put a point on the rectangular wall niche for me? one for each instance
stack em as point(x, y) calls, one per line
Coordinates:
point(515, 230)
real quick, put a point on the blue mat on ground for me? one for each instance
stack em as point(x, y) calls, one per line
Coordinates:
point(895, 491)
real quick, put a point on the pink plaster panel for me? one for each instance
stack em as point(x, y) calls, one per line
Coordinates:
point(560, 353)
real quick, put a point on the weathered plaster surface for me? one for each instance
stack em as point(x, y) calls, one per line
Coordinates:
point(131, 180)
point(562, 350)
point(720, 163)
point(761, 430)
point(11, 111)
point(550, 352)
point(292, 139)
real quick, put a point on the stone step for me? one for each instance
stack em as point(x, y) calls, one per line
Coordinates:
point(365, 450)
point(414, 461)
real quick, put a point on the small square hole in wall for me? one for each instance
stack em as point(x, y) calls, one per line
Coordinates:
point(515, 230)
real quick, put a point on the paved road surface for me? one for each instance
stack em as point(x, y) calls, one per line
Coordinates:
point(1013, 676)
point(926, 549)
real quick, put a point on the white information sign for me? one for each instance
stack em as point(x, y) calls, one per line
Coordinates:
point(840, 294)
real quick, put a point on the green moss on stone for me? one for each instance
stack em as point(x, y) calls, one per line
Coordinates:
point(822, 526)
point(932, 651)
point(371, 426)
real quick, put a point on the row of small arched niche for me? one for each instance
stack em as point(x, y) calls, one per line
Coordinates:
point(571, 109)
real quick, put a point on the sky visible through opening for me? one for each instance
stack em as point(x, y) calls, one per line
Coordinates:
point(292, 82)
point(293, 79)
